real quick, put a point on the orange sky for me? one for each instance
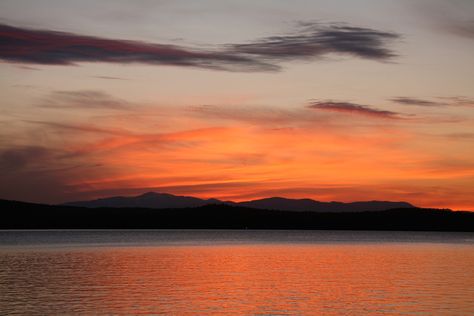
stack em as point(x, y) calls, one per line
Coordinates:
point(388, 118)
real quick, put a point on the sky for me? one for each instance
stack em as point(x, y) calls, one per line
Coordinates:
point(236, 100)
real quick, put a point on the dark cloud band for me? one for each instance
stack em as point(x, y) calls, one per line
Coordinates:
point(59, 48)
point(46, 47)
point(347, 107)
point(316, 40)
point(415, 101)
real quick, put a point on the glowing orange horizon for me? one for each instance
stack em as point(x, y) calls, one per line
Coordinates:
point(239, 160)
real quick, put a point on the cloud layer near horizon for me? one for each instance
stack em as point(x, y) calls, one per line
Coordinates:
point(312, 40)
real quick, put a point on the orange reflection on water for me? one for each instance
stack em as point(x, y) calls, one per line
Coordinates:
point(245, 279)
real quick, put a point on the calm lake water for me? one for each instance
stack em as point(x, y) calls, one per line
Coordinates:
point(236, 272)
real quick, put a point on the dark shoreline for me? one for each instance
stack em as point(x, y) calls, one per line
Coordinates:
point(19, 215)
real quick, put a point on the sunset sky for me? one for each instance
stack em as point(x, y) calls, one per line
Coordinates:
point(331, 100)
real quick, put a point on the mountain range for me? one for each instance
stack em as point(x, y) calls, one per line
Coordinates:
point(166, 201)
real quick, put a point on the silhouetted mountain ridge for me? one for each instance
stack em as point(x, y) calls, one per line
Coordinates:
point(309, 205)
point(164, 200)
point(147, 200)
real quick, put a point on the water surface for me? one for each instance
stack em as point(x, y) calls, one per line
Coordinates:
point(236, 272)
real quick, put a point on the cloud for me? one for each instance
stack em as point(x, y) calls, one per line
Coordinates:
point(81, 128)
point(352, 108)
point(312, 40)
point(28, 68)
point(454, 17)
point(258, 115)
point(39, 174)
point(459, 101)
point(109, 78)
point(415, 101)
point(445, 101)
point(462, 28)
point(91, 99)
point(58, 48)
point(460, 136)
point(92, 138)
point(315, 40)
point(16, 158)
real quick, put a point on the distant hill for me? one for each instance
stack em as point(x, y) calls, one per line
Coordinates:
point(163, 200)
point(19, 215)
point(147, 200)
point(308, 205)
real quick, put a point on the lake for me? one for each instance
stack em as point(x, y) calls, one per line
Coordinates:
point(236, 272)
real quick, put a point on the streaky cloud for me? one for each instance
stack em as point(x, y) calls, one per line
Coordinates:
point(459, 101)
point(315, 40)
point(353, 108)
point(462, 28)
point(443, 101)
point(18, 157)
point(454, 17)
point(84, 99)
point(109, 78)
point(258, 115)
point(415, 101)
point(80, 128)
point(310, 41)
point(47, 47)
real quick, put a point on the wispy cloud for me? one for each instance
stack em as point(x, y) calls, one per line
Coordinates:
point(459, 101)
point(18, 157)
point(353, 108)
point(315, 40)
point(85, 99)
point(416, 101)
point(460, 136)
point(444, 101)
point(258, 115)
point(453, 17)
point(462, 28)
point(79, 128)
point(59, 48)
point(109, 78)
point(312, 40)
